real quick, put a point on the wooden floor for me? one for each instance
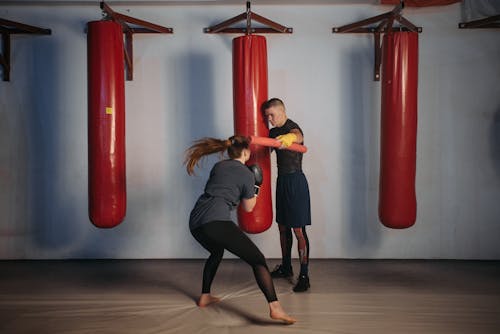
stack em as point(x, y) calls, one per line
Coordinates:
point(158, 296)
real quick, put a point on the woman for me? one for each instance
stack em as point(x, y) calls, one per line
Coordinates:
point(230, 183)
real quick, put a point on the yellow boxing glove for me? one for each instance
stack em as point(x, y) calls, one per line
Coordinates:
point(288, 139)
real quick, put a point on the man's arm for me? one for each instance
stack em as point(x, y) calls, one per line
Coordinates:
point(294, 136)
point(300, 137)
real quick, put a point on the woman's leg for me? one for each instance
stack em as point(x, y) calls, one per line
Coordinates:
point(211, 266)
point(229, 236)
point(234, 240)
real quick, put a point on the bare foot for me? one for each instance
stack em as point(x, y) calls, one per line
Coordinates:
point(207, 299)
point(276, 312)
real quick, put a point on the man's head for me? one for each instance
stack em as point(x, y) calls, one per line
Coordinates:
point(274, 111)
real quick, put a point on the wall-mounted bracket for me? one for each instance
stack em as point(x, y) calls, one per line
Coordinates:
point(140, 27)
point(385, 24)
point(8, 28)
point(492, 22)
point(248, 16)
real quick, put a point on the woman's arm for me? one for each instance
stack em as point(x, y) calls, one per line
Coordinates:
point(248, 203)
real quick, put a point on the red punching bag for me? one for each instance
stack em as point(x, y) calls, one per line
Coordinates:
point(397, 200)
point(106, 123)
point(249, 93)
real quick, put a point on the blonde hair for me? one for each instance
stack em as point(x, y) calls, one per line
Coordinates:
point(205, 146)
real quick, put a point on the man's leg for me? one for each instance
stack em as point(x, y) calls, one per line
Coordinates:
point(286, 240)
point(303, 248)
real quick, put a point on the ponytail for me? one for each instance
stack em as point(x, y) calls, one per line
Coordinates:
point(205, 146)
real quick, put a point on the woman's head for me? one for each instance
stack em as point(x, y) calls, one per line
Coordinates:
point(236, 147)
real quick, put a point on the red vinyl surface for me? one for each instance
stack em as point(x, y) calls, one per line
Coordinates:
point(106, 124)
point(397, 199)
point(249, 93)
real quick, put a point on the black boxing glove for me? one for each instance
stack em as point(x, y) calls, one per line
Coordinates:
point(257, 173)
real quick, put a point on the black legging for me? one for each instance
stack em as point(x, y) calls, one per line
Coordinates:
point(219, 235)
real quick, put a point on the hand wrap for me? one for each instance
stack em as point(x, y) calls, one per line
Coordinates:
point(287, 139)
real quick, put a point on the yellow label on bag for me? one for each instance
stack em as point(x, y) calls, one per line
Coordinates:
point(109, 111)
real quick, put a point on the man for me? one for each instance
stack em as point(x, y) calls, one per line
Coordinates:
point(293, 209)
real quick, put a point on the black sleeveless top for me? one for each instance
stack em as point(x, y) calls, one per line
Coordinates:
point(288, 161)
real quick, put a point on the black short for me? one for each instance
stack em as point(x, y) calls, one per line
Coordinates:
point(293, 203)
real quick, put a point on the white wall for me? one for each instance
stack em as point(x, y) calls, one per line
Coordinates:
point(182, 90)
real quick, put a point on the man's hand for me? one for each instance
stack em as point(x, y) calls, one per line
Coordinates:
point(288, 139)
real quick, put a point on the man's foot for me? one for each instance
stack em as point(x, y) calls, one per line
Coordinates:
point(280, 272)
point(302, 284)
point(207, 299)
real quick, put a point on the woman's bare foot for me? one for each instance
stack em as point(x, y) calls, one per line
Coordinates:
point(207, 299)
point(276, 312)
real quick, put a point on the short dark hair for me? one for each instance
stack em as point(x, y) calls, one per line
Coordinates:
point(273, 102)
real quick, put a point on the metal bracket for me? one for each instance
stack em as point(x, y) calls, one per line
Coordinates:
point(224, 27)
point(144, 27)
point(492, 22)
point(385, 25)
point(8, 28)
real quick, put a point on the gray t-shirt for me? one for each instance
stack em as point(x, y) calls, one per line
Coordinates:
point(229, 182)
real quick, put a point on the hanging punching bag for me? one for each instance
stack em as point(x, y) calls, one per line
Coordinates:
point(249, 93)
point(397, 200)
point(106, 123)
